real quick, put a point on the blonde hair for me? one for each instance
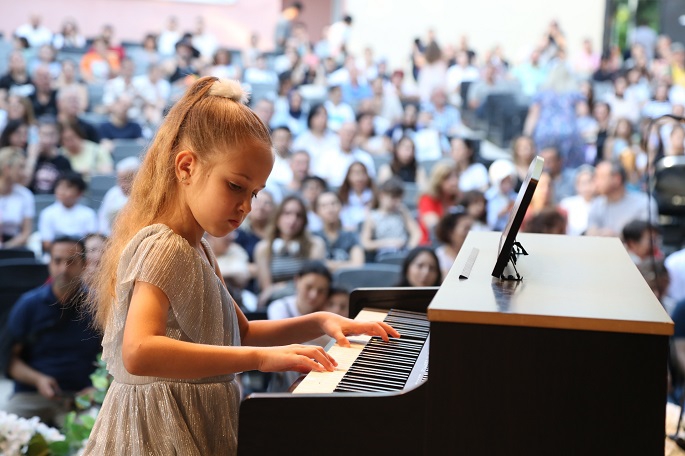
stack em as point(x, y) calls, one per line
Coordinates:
point(10, 156)
point(439, 174)
point(210, 119)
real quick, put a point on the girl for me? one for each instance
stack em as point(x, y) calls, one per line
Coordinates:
point(472, 175)
point(317, 137)
point(174, 338)
point(85, 157)
point(17, 205)
point(356, 194)
point(390, 227)
point(421, 269)
point(287, 245)
point(442, 193)
point(475, 205)
point(403, 164)
point(342, 246)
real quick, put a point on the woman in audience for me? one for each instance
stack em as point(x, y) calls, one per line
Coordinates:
point(389, 228)
point(342, 246)
point(367, 139)
point(403, 164)
point(85, 157)
point(451, 232)
point(15, 135)
point(222, 65)
point(233, 263)
point(475, 204)
point(472, 175)
point(543, 200)
point(356, 194)
point(17, 205)
point(291, 113)
point(441, 194)
point(281, 254)
point(69, 36)
point(317, 137)
point(407, 126)
point(420, 268)
point(523, 153)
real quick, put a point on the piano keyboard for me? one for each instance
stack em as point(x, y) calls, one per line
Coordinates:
point(372, 365)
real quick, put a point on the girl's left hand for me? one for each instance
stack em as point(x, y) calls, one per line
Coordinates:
point(339, 327)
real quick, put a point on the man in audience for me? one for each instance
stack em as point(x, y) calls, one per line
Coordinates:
point(44, 164)
point(36, 34)
point(332, 164)
point(68, 110)
point(562, 178)
point(44, 98)
point(616, 206)
point(54, 345)
point(641, 239)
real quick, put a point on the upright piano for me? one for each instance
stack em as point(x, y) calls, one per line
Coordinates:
point(569, 360)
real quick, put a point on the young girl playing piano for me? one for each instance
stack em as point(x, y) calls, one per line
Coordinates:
point(173, 337)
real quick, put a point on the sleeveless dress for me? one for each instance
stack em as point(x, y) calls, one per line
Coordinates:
point(161, 416)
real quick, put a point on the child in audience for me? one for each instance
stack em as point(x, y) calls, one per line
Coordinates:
point(66, 216)
point(451, 232)
point(390, 227)
point(356, 194)
point(338, 301)
point(501, 194)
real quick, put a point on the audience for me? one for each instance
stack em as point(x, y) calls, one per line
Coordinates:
point(17, 206)
point(421, 268)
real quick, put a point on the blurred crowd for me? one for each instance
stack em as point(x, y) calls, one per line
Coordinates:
point(373, 164)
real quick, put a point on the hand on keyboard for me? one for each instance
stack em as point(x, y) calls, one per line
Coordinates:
point(299, 358)
point(339, 327)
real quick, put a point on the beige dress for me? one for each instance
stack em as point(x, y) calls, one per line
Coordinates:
point(161, 416)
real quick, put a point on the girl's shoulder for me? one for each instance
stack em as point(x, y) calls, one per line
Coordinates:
point(158, 241)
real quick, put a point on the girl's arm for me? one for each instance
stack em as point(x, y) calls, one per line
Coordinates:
point(412, 228)
point(147, 351)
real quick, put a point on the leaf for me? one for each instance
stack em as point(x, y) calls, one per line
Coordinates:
point(38, 446)
point(60, 448)
point(101, 383)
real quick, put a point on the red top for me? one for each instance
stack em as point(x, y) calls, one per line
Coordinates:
point(428, 204)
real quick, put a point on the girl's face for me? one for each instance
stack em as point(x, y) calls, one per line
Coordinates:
point(20, 137)
point(476, 209)
point(358, 177)
point(423, 271)
point(388, 202)
point(291, 221)
point(219, 194)
point(328, 208)
point(405, 151)
point(450, 186)
point(312, 292)
point(338, 303)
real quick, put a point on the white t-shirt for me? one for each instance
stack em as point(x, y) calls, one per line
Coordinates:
point(475, 177)
point(675, 263)
point(338, 114)
point(16, 207)
point(315, 146)
point(616, 215)
point(283, 308)
point(577, 210)
point(112, 203)
point(57, 220)
point(333, 164)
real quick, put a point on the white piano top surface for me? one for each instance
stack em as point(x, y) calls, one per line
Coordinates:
point(325, 382)
point(584, 283)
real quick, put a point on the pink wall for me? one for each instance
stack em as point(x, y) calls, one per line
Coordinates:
point(231, 23)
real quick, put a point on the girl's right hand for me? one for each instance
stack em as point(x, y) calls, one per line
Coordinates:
point(299, 358)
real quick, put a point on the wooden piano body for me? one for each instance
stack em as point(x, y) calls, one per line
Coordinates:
point(571, 360)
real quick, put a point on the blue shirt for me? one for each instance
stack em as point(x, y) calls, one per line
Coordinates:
point(57, 340)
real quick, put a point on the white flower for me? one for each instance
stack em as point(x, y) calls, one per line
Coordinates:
point(16, 433)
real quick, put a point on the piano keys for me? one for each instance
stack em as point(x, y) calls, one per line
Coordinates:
point(373, 365)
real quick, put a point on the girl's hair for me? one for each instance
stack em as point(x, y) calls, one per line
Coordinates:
point(409, 259)
point(273, 232)
point(11, 128)
point(471, 197)
point(210, 119)
point(393, 187)
point(9, 156)
point(439, 174)
point(470, 145)
point(396, 165)
point(346, 187)
point(314, 267)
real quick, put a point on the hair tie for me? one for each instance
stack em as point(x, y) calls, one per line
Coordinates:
point(231, 89)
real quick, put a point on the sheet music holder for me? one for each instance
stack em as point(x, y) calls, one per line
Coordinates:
point(509, 249)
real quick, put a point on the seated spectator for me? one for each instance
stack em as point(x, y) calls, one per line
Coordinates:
point(95, 245)
point(561, 177)
point(287, 246)
point(356, 194)
point(543, 200)
point(66, 217)
point(441, 194)
point(46, 56)
point(123, 86)
point(291, 114)
point(338, 111)
point(675, 263)
point(451, 232)
point(312, 187)
point(299, 166)
point(35, 33)
point(44, 163)
point(17, 79)
point(385, 103)
point(403, 164)
point(260, 73)
point(117, 196)
point(317, 137)
point(338, 302)
point(578, 207)
point(15, 135)
point(622, 106)
point(459, 73)
point(85, 157)
point(69, 81)
point(472, 175)
point(255, 228)
point(406, 126)
point(68, 110)
point(17, 205)
point(184, 62)
point(100, 63)
point(421, 268)
point(156, 93)
point(642, 240)
point(367, 139)
point(430, 143)
point(547, 221)
point(281, 140)
point(389, 228)
point(332, 164)
point(69, 36)
point(44, 98)
point(615, 206)
point(54, 344)
point(342, 246)
point(523, 153)
point(446, 118)
point(501, 194)
point(222, 65)
point(475, 205)
point(119, 125)
point(233, 263)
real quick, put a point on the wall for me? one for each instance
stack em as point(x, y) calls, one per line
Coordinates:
point(231, 23)
point(391, 25)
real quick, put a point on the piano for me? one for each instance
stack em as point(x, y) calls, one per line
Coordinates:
point(570, 360)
